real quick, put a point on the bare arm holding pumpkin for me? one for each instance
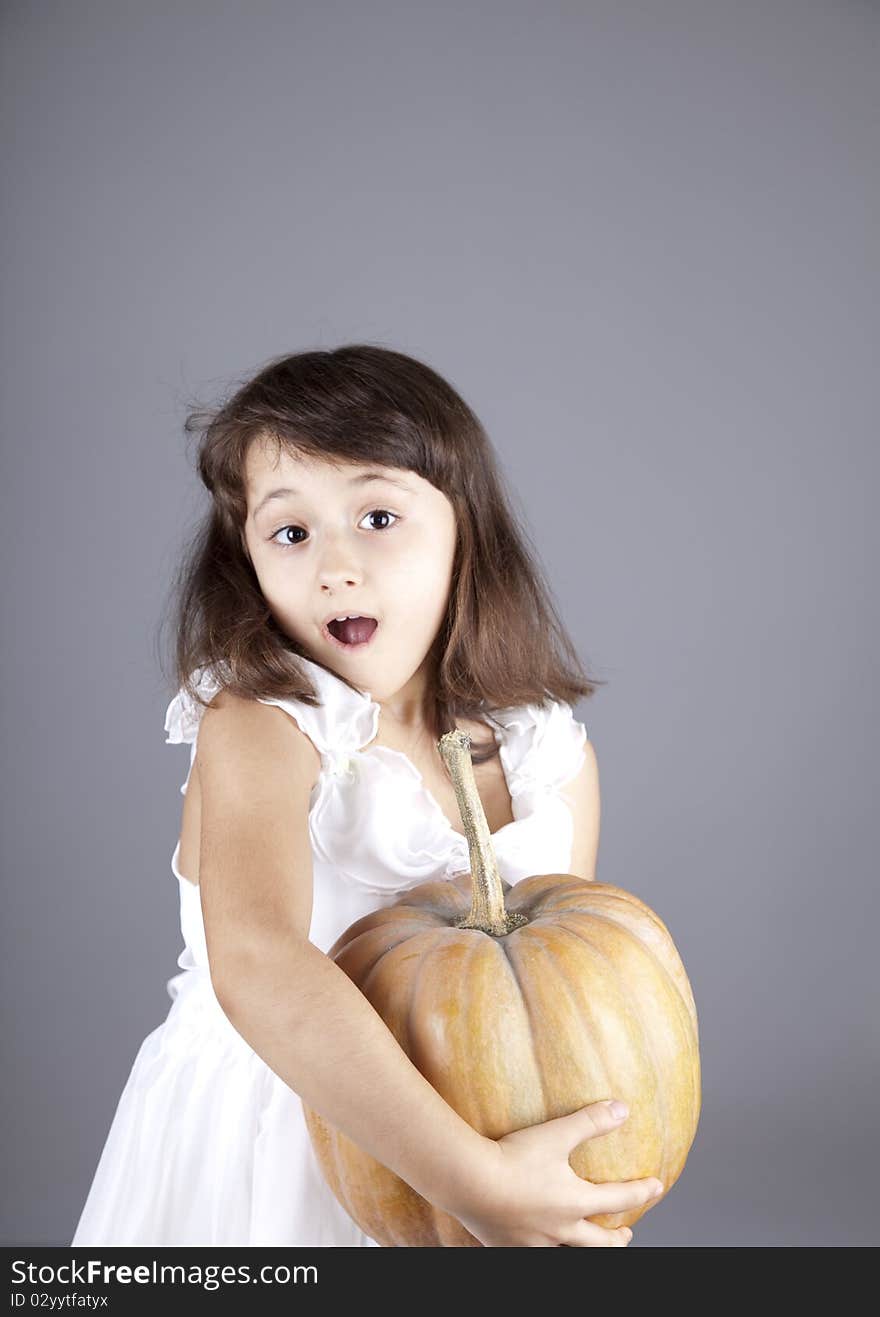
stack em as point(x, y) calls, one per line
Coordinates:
point(583, 797)
point(319, 1033)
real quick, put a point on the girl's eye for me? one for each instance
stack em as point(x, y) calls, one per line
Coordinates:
point(292, 544)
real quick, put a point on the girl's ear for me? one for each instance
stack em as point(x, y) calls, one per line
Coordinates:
point(244, 545)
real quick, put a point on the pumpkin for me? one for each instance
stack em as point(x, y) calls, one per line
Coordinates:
point(519, 1004)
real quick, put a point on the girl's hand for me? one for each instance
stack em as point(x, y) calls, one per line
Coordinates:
point(530, 1197)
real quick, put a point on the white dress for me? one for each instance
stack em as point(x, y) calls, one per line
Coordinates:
point(208, 1146)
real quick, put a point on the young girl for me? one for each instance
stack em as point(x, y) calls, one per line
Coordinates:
point(359, 586)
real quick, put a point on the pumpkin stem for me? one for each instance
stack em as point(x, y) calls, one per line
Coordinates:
point(487, 904)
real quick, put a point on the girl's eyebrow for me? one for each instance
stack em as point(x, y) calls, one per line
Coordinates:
point(355, 480)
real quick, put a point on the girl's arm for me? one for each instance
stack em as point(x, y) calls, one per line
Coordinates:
point(310, 1024)
point(288, 1000)
point(583, 798)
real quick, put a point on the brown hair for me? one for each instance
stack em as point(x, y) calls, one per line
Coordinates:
point(501, 644)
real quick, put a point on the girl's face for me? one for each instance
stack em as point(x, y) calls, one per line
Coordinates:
point(360, 539)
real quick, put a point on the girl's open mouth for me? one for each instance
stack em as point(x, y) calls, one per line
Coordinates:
point(353, 633)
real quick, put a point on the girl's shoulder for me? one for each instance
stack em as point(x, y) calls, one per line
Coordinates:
point(343, 721)
point(542, 745)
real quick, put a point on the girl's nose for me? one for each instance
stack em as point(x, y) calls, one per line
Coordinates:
point(338, 564)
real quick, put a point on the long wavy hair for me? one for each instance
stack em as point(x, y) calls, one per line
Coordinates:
point(501, 643)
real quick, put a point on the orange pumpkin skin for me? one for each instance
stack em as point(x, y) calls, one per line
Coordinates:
point(588, 1000)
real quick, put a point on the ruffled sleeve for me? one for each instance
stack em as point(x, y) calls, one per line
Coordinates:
point(542, 747)
point(345, 719)
point(184, 714)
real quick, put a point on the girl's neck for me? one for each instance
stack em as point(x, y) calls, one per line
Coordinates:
point(406, 709)
point(404, 712)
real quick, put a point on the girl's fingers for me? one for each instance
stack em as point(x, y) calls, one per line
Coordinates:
point(587, 1235)
point(620, 1197)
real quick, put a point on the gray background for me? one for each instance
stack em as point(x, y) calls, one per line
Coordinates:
point(636, 237)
